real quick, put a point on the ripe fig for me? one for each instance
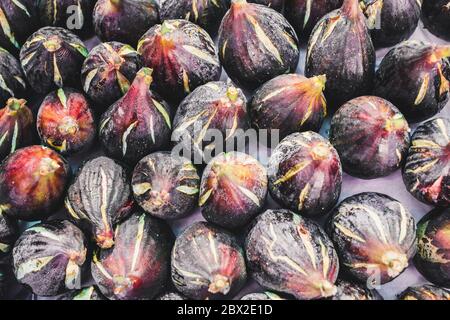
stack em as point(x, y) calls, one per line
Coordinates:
point(352, 291)
point(342, 35)
point(425, 292)
point(100, 198)
point(256, 44)
point(233, 189)
point(9, 232)
point(374, 235)
point(426, 173)
point(165, 185)
point(138, 123)
point(207, 263)
point(305, 174)
point(415, 77)
point(138, 266)
point(50, 257)
point(436, 17)
point(274, 4)
point(13, 80)
point(51, 58)
point(65, 121)
point(182, 56)
point(262, 296)
point(289, 103)
point(32, 183)
point(108, 71)
point(171, 296)
point(371, 136)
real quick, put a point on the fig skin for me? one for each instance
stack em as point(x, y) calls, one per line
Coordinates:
point(183, 57)
point(256, 44)
point(274, 4)
point(9, 232)
point(50, 257)
point(124, 20)
point(108, 72)
point(32, 183)
point(352, 291)
point(138, 266)
point(374, 236)
point(342, 35)
point(415, 76)
point(436, 17)
point(425, 292)
point(433, 247)
point(137, 124)
point(233, 189)
point(165, 185)
point(289, 103)
point(425, 173)
point(65, 121)
point(171, 296)
point(207, 263)
point(12, 75)
point(371, 136)
point(51, 58)
point(262, 296)
point(305, 174)
point(99, 198)
point(16, 126)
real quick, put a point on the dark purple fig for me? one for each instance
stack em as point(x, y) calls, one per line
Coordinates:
point(262, 296)
point(214, 106)
point(138, 266)
point(32, 183)
point(207, 263)
point(436, 17)
point(182, 56)
point(100, 198)
point(426, 174)
point(341, 48)
point(51, 58)
point(108, 72)
point(391, 21)
point(293, 255)
point(9, 232)
point(371, 137)
point(352, 291)
point(425, 292)
point(256, 44)
point(233, 189)
point(65, 121)
point(12, 82)
point(50, 257)
point(124, 20)
point(305, 174)
point(374, 235)
point(433, 247)
point(171, 296)
point(274, 4)
point(16, 126)
point(166, 185)
point(137, 124)
point(415, 76)
point(289, 103)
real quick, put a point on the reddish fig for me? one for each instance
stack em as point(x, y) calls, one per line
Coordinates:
point(436, 17)
point(11, 77)
point(352, 291)
point(425, 292)
point(9, 231)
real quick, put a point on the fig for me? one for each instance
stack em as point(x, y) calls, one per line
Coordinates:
point(391, 21)
point(426, 173)
point(171, 296)
point(50, 257)
point(124, 20)
point(9, 232)
point(233, 189)
point(415, 76)
point(217, 108)
point(436, 17)
point(32, 183)
point(274, 4)
point(374, 236)
point(256, 44)
point(182, 56)
point(165, 185)
point(207, 263)
point(12, 79)
point(99, 198)
point(51, 58)
point(352, 291)
point(16, 126)
point(139, 264)
point(371, 136)
point(262, 296)
point(342, 35)
point(108, 71)
point(289, 103)
point(305, 174)
point(433, 247)
point(65, 121)
point(425, 292)
point(138, 123)
point(292, 255)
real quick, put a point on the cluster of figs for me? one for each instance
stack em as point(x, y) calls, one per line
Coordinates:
point(103, 231)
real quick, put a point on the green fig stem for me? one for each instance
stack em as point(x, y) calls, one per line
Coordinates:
point(166, 28)
point(320, 82)
point(220, 284)
point(327, 289)
point(116, 3)
point(15, 104)
point(397, 122)
point(395, 262)
point(351, 8)
point(145, 74)
point(232, 94)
